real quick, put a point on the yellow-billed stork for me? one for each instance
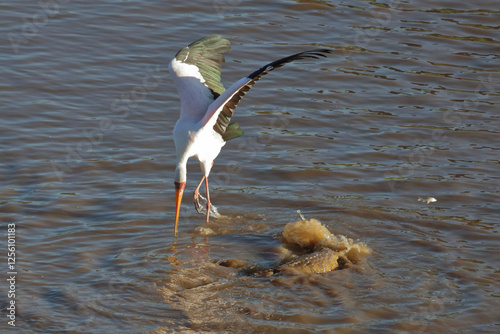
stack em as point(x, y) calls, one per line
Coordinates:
point(206, 108)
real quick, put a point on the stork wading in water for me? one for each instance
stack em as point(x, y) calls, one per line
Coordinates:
point(206, 108)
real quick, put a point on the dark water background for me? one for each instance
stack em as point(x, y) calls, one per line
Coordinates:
point(407, 106)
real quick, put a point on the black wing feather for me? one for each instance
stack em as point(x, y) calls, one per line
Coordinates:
point(227, 112)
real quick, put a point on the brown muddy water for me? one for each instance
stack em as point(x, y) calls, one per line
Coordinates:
point(407, 106)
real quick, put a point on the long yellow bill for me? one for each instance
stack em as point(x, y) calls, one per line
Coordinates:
point(179, 191)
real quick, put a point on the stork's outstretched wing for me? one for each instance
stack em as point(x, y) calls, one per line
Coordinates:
point(197, 74)
point(220, 111)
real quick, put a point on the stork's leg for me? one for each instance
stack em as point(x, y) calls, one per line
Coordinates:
point(196, 196)
point(208, 199)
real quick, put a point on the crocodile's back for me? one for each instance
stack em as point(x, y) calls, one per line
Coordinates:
point(319, 262)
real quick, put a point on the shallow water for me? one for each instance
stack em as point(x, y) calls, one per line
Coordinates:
point(406, 107)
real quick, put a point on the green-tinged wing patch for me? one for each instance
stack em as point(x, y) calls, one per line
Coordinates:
point(206, 54)
point(233, 130)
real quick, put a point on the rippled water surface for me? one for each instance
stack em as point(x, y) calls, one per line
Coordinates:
point(407, 106)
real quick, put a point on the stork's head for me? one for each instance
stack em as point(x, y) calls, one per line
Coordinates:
point(180, 184)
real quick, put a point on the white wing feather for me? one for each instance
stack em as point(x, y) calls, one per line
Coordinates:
point(195, 95)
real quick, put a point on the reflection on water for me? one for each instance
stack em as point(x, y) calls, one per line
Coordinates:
point(406, 106)
point(214, 295)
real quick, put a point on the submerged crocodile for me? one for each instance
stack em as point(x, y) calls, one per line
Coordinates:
point(314, 250)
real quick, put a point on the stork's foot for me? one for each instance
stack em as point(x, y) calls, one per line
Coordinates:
point(199, 207)
point(200, 204)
